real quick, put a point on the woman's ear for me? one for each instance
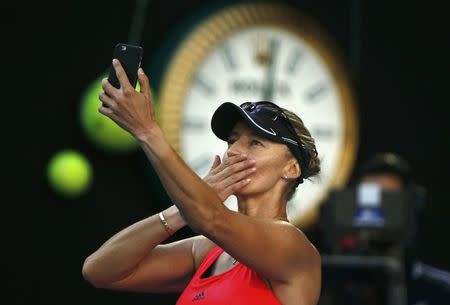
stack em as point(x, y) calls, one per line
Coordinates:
point(292, 169)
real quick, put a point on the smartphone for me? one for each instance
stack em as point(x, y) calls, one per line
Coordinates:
point(130, 56)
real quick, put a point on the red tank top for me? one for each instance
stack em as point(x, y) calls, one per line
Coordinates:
point(236, 286)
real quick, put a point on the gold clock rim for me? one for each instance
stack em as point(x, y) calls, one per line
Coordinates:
point(197, 45)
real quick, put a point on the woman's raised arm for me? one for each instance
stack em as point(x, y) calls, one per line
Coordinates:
point(245, 238)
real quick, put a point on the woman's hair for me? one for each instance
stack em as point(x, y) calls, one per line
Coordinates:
point(312, 160)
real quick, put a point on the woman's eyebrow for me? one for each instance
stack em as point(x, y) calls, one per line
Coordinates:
point(233, 133)
point(251, 133)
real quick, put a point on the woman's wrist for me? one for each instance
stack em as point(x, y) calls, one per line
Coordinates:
point(173, 218)
point(153, 142)
point(148, 134)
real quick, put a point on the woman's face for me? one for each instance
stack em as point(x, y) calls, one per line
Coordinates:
point(271, 157)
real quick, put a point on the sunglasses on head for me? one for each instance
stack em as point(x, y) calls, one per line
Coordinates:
point(278, 112)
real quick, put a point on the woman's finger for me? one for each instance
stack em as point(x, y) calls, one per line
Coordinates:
point(222, 172)
point(233, 188)
point(106, 111)
point(107, 101)
point(228, 176)
point(109, 89)
point(234, 159)
point(216, 162)
point(146, 90)
point(235, 178)
point(227, 162)
point(121, 75)
point(239, 166)
point(216, 167)
point(144, 84)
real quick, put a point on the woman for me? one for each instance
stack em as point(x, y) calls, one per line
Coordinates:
point(253, 256)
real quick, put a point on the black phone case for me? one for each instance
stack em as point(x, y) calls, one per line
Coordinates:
point(130, 56)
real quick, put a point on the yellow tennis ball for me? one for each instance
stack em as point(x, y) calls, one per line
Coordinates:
point(69, 173)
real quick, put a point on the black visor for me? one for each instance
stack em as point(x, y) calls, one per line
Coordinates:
point(266, 119)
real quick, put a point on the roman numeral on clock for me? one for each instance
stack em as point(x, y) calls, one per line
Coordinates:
point(204, 85)
point(323, 132)
point(228, 58)
point(316, 92)
point(293, 61)
point(194, 124)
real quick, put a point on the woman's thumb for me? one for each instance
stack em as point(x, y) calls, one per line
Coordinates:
point(216, 161)
point(144, 83)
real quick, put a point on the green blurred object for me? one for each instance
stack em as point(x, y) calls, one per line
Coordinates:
point(69, 173)
point(104, 133)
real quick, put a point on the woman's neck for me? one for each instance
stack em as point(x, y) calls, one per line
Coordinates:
point(266, 205)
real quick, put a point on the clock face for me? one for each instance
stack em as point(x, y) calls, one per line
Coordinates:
point(267, 62)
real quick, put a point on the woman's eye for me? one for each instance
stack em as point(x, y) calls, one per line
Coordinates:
point(256, 142)
point(231, 141)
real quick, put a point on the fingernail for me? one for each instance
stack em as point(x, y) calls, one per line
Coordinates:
point(141, 71)
point(252, 161)
point(248, 180)
point(253, 169)
point(114, 61)
point(244, 155)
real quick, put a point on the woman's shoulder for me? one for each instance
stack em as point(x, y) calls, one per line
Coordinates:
point(302, 240)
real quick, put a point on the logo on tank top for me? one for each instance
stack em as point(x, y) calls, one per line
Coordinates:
point(199, 296)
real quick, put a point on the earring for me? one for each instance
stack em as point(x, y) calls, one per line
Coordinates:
point(285, 177)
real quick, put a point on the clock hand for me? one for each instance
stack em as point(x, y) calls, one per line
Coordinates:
point(269, 82)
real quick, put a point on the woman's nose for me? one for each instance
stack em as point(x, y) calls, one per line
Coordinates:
point(235, 149)
point(231, 153)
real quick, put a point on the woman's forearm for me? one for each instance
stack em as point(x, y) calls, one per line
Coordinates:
point(134, 111)
point(197, 202)
point(120, 255)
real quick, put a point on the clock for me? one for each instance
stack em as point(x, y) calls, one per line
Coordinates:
point(261, 51)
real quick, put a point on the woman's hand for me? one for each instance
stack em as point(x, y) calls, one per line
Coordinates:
point(231, 175)
point(131, 110)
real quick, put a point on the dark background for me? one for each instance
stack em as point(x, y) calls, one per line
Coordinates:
point(397, 54)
